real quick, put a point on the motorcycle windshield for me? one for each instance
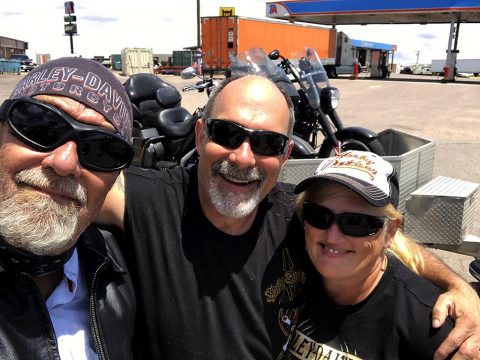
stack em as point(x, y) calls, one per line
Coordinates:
point(255, 61)
point(312, 75)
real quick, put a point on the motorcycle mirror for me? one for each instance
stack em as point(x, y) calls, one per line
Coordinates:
point(188, 73)
point(474, 268)
point(274, 55)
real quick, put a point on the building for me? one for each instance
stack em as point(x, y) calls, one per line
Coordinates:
point(10, 46)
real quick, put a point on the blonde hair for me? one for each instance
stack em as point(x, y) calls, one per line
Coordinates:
point(401, 246)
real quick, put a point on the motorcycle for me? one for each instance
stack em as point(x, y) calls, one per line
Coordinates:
point(474, 269)
point(163, 132)
point(315, 102)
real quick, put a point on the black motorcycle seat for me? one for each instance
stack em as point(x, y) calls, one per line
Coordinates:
point(174, 122)
point(150, 109)
point(143, 86)
point(149, 105)
point(168, 97)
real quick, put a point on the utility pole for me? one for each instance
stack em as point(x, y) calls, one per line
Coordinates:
point(418, 54)
point(198, 23)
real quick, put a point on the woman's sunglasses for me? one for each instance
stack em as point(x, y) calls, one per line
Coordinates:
point(351, 224)
point(43, 127)
point(231, 135)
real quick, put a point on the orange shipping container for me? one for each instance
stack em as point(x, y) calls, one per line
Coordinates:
point(224, 37)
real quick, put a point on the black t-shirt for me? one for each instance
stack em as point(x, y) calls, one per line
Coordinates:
point(203, 294)
point(394, 322)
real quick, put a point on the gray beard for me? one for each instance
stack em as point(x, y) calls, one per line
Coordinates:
point(232, 204)
point(38, 224)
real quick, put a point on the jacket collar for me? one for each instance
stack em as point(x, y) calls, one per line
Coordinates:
point(96, 247)
point(93, 250)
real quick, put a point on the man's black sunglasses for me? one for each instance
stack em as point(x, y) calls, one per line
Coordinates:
point(351, 224)
point(44, 127)
point(231, 135)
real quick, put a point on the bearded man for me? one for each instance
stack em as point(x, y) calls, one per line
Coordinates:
point(64, 289)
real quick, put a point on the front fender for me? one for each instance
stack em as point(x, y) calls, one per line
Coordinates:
point(301, 148)
point(356, 132)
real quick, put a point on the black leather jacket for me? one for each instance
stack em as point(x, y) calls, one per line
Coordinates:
point(26, 331)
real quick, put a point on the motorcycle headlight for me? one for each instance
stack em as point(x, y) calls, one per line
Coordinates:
point(330, 98)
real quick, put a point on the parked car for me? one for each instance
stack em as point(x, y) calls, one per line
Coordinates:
point(26, 64)
point(406, 70)
point(465, 75)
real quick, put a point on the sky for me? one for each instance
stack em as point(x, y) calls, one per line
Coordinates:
point(106, 27)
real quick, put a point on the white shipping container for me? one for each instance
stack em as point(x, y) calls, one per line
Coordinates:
point(137, 60)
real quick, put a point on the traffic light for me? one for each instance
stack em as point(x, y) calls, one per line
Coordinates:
point(69, 9)
point(69, 19)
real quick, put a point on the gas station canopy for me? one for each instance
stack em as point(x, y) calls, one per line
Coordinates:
point(347, 12)
point(373, 45)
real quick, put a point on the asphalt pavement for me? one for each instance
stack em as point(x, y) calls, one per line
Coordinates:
point(447, 113)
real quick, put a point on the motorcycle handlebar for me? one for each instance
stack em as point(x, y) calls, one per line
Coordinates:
point(201, 86)
point(189, 88)
point(291, 69)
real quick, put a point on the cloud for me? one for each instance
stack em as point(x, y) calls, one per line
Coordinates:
point(166, 19)
point(100, 19)
point(427, 36)
point(10, 13)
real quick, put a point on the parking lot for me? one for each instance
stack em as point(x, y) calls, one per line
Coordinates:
point(448, 114)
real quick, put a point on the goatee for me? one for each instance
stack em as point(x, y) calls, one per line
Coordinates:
point(235, 204)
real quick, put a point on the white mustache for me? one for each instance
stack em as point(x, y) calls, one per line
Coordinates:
point(47, 178)
point(231, 170)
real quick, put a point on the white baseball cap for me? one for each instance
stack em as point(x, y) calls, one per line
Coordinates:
point(366, 173)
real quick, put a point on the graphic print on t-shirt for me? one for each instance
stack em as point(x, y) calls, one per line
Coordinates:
point(285, 290)
point(303, 347)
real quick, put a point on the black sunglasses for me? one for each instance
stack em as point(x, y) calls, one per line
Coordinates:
point(231, 135)
point(351, 224)
point(43, 127)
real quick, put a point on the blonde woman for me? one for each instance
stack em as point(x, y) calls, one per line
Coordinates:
point(365, 302)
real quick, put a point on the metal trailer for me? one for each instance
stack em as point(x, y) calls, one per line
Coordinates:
point(224, 37)
point(465, 66)
point(438, 212)
point(411, 156)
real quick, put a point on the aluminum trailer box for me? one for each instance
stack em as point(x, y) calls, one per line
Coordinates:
point(441, 212)
point(224, 37)
point(411, 156)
